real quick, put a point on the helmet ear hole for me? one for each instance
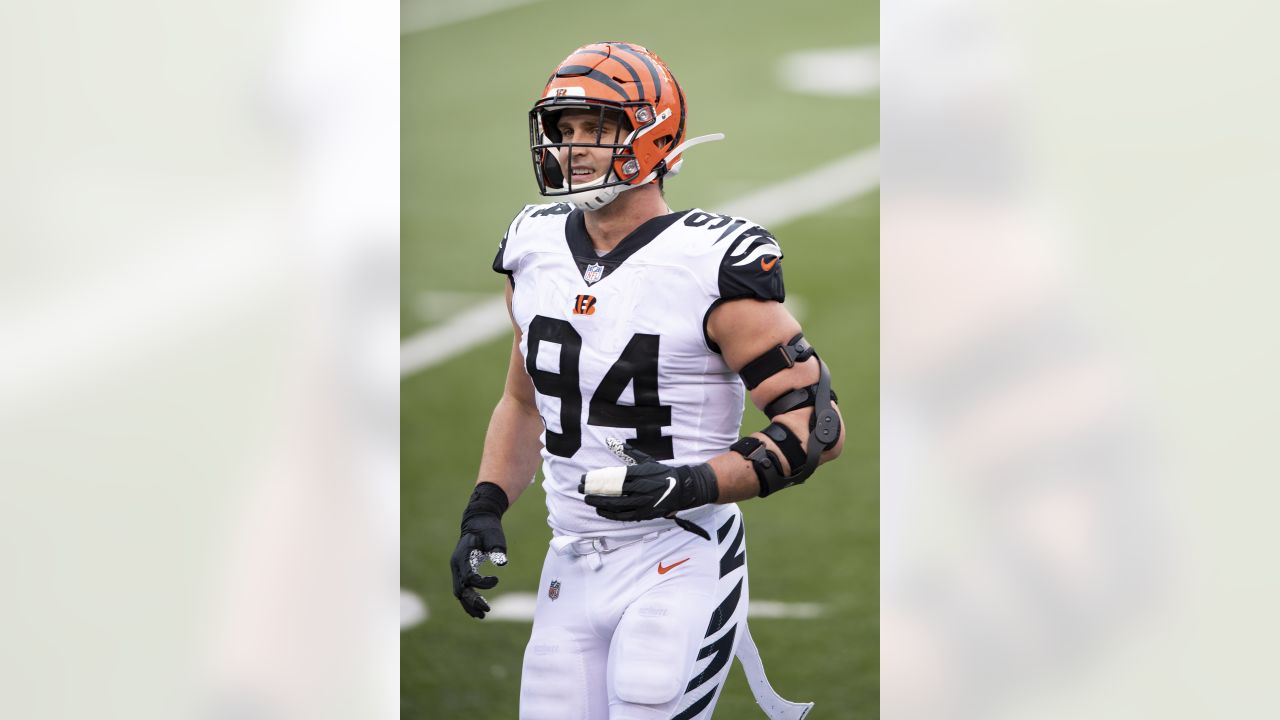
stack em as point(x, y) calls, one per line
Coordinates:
point(664, 142)
point(551, 171)
point(551, 125)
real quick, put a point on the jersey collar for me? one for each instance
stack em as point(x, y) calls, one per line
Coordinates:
point(584, 254)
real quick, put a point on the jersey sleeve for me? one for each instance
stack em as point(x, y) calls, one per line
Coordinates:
point(752, 267)
point(502, 262)
point(498, 260)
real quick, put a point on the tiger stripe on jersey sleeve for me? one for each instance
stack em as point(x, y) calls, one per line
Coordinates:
point(751, 267)
point(499, 260)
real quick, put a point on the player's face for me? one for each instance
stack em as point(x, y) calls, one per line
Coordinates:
point(586, 126)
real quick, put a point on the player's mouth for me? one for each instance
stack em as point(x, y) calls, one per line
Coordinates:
point(582, 174)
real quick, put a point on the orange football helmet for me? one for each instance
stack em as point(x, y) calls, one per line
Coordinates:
point(632, 88)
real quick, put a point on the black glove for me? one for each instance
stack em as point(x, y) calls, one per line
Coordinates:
point(648, 489)
point(482, 537)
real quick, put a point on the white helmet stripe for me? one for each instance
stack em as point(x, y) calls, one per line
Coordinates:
point(637, 134)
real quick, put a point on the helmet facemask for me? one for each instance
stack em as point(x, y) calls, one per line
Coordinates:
point(613, 131)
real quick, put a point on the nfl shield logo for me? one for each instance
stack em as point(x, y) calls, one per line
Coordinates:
point(553, 592)
point(593, 273)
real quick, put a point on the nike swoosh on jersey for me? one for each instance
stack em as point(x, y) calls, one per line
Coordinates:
point(767, 266)
point(671, 485)
point(664, 570)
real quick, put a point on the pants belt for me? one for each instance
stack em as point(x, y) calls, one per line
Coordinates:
point(592, 548)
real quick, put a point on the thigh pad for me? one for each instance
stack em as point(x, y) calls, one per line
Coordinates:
point(652, 651)
point(554, 682)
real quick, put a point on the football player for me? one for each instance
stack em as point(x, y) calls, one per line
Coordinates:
point(637, 332)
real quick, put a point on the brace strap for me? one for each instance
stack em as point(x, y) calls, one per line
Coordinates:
point(774, 361)
point(794, 400)
point(764, 463)
point(788, 443)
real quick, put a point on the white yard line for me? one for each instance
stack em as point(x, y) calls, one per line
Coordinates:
point(519, 606)
point(847, 178)
point(833, 72)
point(815, 191)
point(412, 609)
point(419, 15)
point(468, 329)
point(435, 306)
point(776, 609)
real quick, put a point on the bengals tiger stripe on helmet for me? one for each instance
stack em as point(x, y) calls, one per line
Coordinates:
point(628, 86)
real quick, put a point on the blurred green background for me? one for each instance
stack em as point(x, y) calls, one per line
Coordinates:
point(466, 88)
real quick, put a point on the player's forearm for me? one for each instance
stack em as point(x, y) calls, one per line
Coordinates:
point(736, 478)
point(511, 447)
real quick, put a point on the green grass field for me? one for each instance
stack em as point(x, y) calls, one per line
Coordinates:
point(466, 90)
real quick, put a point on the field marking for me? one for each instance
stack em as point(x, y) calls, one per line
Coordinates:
point(827, 186)
point(519, 607)
point(413, 610)
point(419, 15)
point(775, 609)
point(468, 329)
point(832, 72)
point(434, 306)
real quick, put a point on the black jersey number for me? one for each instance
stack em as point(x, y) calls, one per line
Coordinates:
point(638, 365)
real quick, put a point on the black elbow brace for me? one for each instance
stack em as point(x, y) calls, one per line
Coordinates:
point(824, 426)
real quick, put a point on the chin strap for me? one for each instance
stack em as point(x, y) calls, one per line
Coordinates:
point(593, 198)
point(675, 169)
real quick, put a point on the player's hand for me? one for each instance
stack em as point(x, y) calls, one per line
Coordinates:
point(482, 538)
point(645, 489)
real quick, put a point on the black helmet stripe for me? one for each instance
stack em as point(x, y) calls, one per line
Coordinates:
point(653, 71)
point(683, 112)
point(594, 75)
point(634, 75)
point(621, 62)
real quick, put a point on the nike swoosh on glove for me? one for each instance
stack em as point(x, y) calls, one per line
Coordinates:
point(647, 489)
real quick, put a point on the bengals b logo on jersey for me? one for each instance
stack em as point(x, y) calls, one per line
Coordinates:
point(584, 305)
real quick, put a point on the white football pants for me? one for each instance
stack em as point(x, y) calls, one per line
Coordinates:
point(637, 628)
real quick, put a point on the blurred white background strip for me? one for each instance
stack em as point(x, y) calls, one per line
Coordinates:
point(815, 191)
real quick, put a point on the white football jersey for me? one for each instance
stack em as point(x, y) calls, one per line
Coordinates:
point(616, 345)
